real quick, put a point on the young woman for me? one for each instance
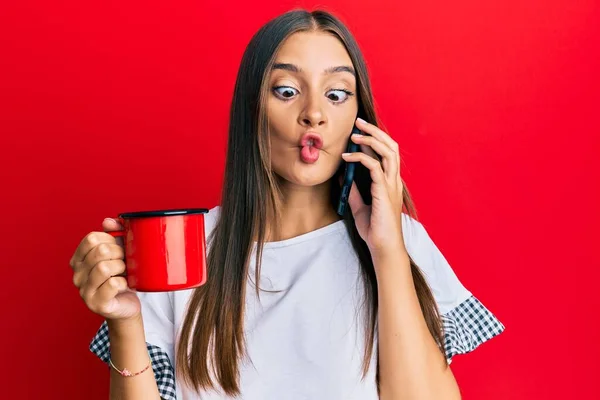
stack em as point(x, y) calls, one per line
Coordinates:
point(300, 303)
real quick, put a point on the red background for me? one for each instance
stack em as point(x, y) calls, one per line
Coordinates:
point(121, 106)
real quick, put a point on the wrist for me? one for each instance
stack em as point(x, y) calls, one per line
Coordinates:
point(392, 267)
point(125, 327)
point(397, 257)
point(392, 247)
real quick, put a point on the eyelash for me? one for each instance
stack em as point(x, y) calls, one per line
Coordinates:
point(348, 92)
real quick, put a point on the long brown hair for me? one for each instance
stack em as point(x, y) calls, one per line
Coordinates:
point(212, 339)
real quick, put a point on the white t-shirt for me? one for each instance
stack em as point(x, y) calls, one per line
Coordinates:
point(304, 335)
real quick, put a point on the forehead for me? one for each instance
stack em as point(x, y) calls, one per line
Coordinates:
point(313, 51)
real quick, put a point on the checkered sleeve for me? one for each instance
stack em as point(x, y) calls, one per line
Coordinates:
point(466, 322)
point(467, 326)
point(161, 365)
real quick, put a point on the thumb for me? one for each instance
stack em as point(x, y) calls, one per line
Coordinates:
point(111, 225)
point(355, 200)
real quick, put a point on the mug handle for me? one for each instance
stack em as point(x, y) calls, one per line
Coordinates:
point(116, 233)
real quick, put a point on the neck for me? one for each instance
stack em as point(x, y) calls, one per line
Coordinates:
point(303, 209)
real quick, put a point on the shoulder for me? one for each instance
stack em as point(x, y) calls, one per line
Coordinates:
point(467, 322)
point(416, 238)
point(442, 279)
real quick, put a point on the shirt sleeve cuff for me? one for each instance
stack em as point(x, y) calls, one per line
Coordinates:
point(467, 326)
point(161, 365)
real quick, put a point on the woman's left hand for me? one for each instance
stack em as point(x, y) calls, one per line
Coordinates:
point(380, 224)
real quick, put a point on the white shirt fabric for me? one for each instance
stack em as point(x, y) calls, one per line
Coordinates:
point(306, 340)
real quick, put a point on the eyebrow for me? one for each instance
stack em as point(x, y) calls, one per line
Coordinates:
point(328, 71)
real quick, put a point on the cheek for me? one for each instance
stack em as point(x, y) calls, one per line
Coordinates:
point(280, 127)
point(343, 120)
point(281, 123)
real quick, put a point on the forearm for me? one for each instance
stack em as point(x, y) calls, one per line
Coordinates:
point(128, 350)
point(411, 366)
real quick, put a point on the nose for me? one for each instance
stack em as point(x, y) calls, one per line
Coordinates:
point(312, 114)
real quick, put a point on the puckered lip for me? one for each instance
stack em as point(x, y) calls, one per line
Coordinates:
point(314, 137)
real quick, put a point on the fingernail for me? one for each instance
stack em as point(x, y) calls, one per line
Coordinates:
point(346, 154)
point(361, 120)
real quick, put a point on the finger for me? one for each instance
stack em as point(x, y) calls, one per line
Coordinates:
point(89, 242)
point(369, 151)
point(112, 225)
point(375, 131)
point(379, 134)
point(103, 271)
point(365, 148)
point(372, 165)
point(388, 157)
point(104, 252)
point(80, 275)
point(105, 295)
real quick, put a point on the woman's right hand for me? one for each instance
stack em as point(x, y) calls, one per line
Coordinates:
point(98, 269)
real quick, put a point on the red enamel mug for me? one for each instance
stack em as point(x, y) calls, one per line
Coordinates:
point(165, 250)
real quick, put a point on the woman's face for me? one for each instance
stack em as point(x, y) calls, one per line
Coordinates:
point(311, 107)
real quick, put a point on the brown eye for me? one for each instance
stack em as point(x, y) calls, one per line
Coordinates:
point(338, 95)
point(285, 92)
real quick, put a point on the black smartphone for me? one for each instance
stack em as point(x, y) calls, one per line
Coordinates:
point(354, 172)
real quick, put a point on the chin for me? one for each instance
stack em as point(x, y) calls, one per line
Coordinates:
point(310, 175)
point(297, 172)
point(311, 182)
